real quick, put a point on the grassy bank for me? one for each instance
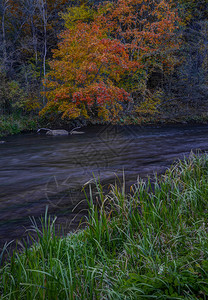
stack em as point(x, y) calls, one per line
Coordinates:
point(15, 124)
point(151, 243)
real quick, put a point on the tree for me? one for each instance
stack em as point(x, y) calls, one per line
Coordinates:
point(94, 59)
point(87, 73)
point(12, 97)
point(192, 10)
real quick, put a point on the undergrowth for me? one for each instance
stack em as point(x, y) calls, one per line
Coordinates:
point(10, 125)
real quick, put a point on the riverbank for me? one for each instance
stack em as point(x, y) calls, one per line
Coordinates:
point(163, 120)
point(10, 125)
point(151, 243)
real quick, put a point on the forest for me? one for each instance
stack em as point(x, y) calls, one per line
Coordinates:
point(116, 210)
point(81, 62)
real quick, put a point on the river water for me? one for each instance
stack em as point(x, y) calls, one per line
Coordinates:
point(38, 170)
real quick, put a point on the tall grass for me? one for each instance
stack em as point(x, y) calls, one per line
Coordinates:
point(149, 243)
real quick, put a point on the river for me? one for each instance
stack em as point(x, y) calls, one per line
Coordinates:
point(38, 170)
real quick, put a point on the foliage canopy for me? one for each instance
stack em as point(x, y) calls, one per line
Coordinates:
point(107, 53)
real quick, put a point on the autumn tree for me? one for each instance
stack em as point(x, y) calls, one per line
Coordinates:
point(106, 54)
point(86, 72)
point(147, 28)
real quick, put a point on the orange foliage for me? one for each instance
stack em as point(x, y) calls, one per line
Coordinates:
point(88, 70)
point(147, 28)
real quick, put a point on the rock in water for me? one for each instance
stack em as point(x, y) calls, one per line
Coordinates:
point(57, 132)
point(2, 142)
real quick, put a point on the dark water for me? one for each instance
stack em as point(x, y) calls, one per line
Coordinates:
point(38, 170)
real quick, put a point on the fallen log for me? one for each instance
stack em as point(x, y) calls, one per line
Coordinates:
point(55, 132)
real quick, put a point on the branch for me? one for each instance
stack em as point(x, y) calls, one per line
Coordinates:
point(74, 129)
point(44, 129)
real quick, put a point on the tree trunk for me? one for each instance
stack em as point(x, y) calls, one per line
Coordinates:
point(43, 9)
point(5, 7)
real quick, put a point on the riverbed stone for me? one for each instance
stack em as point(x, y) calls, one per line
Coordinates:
point(57, 132)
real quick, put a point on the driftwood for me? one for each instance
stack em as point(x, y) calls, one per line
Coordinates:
point(60, 131)
point(73, 131)
point(57, 132)
point(43, 129)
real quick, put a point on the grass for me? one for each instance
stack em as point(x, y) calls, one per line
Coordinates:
point(15, 124)
point(151, 243)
